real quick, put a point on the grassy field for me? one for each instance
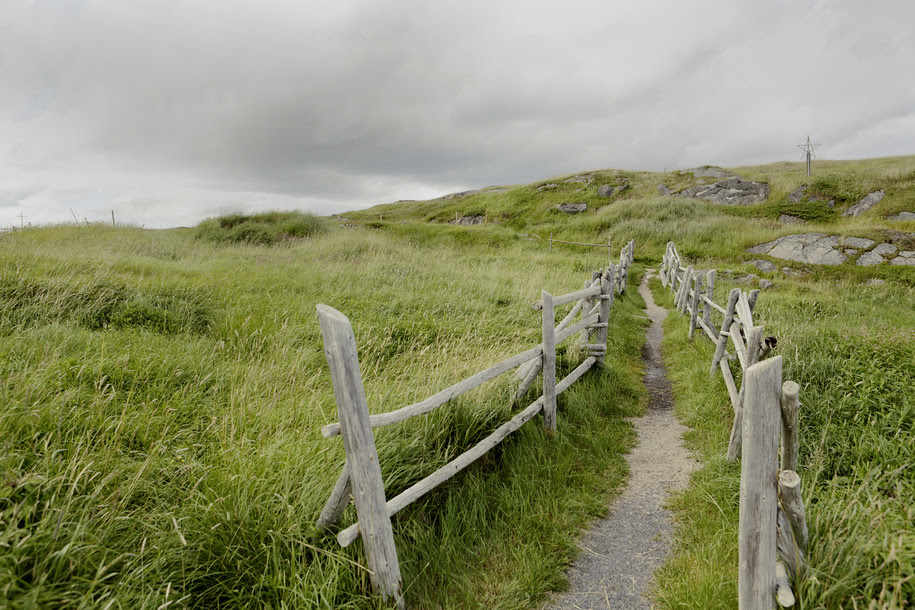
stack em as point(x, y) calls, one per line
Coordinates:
point(162, 396)
point(162, 393)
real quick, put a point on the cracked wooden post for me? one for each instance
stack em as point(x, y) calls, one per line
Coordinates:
point(758, 491)
point(361, 455)
point(549, 364)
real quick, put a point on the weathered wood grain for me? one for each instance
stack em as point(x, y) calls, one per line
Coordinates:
point(399, 502)
point(694, 304)
point(337, 502)
point(783, 594)
point(758, 496)
point(790, 406)
point(789, 487)
point(529, 379)
point(789, 552)
point(710, 296)
point(603, 318)
point(437, 400)
point(549, 363)
point(365, 472)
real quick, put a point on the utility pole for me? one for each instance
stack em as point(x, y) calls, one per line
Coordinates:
point(21, 220)
point(808, 149)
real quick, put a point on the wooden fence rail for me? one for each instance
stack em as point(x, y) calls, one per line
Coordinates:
point(361, 474)
point(773, 530)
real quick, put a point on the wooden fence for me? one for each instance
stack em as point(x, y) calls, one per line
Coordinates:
point(773, 528)
point(361, 475)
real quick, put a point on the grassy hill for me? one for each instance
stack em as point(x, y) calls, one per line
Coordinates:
point(162, 393)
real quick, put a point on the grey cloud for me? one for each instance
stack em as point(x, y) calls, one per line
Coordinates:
point(319, 103)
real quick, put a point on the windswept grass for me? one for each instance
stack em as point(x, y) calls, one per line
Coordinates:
point(161, 394)
point(161, 400)
point(852, 349)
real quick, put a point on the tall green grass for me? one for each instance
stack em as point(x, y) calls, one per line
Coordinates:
point(265, 228)
point(852, 349)
point(161, 400)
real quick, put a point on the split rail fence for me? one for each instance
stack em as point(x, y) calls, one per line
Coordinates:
point(361, 475)
point(773, 528)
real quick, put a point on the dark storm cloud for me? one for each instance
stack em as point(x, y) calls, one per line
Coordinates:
point(355, 102)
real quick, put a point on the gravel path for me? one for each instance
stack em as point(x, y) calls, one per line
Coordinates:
point(619, 554)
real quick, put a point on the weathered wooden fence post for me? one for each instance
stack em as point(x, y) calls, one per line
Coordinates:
point(710, 295)
point(549, 363)
point(361, 455)
point(694, 304)
point(758, 495)
point(606, 293)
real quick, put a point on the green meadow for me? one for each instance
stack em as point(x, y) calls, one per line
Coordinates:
point(161, 395)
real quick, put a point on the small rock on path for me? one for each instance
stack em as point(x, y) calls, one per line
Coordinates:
point(621, 553)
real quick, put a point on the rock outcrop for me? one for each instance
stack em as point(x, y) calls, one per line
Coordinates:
point(733, 191)
point(822, 249)
point(865, 204)
point(467, 221)
point(708, 171)
point(764, 265)
point(608, 190)
point(812, 248)
point(572, 208)
point(902, 216)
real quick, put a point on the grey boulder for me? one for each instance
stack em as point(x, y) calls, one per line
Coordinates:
point(865, 204)
point(764, 265)
point(572, 208)
point(729, 192)
point(812, 248)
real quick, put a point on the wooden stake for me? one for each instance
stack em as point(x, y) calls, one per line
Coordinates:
point(694, 305)
point(789, 487)
point(789, 406)
point(549, 364)
point(710, 294)
point(783, 594)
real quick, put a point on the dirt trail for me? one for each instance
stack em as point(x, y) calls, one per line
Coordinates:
point(620, 554)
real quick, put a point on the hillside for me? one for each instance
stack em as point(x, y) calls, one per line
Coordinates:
point(162, 394)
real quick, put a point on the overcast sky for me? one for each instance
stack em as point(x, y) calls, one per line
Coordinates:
point(168, 111)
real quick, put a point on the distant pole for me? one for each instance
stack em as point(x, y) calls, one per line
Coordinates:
point(808, 149)
point(21, 220)
point(112, 219)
